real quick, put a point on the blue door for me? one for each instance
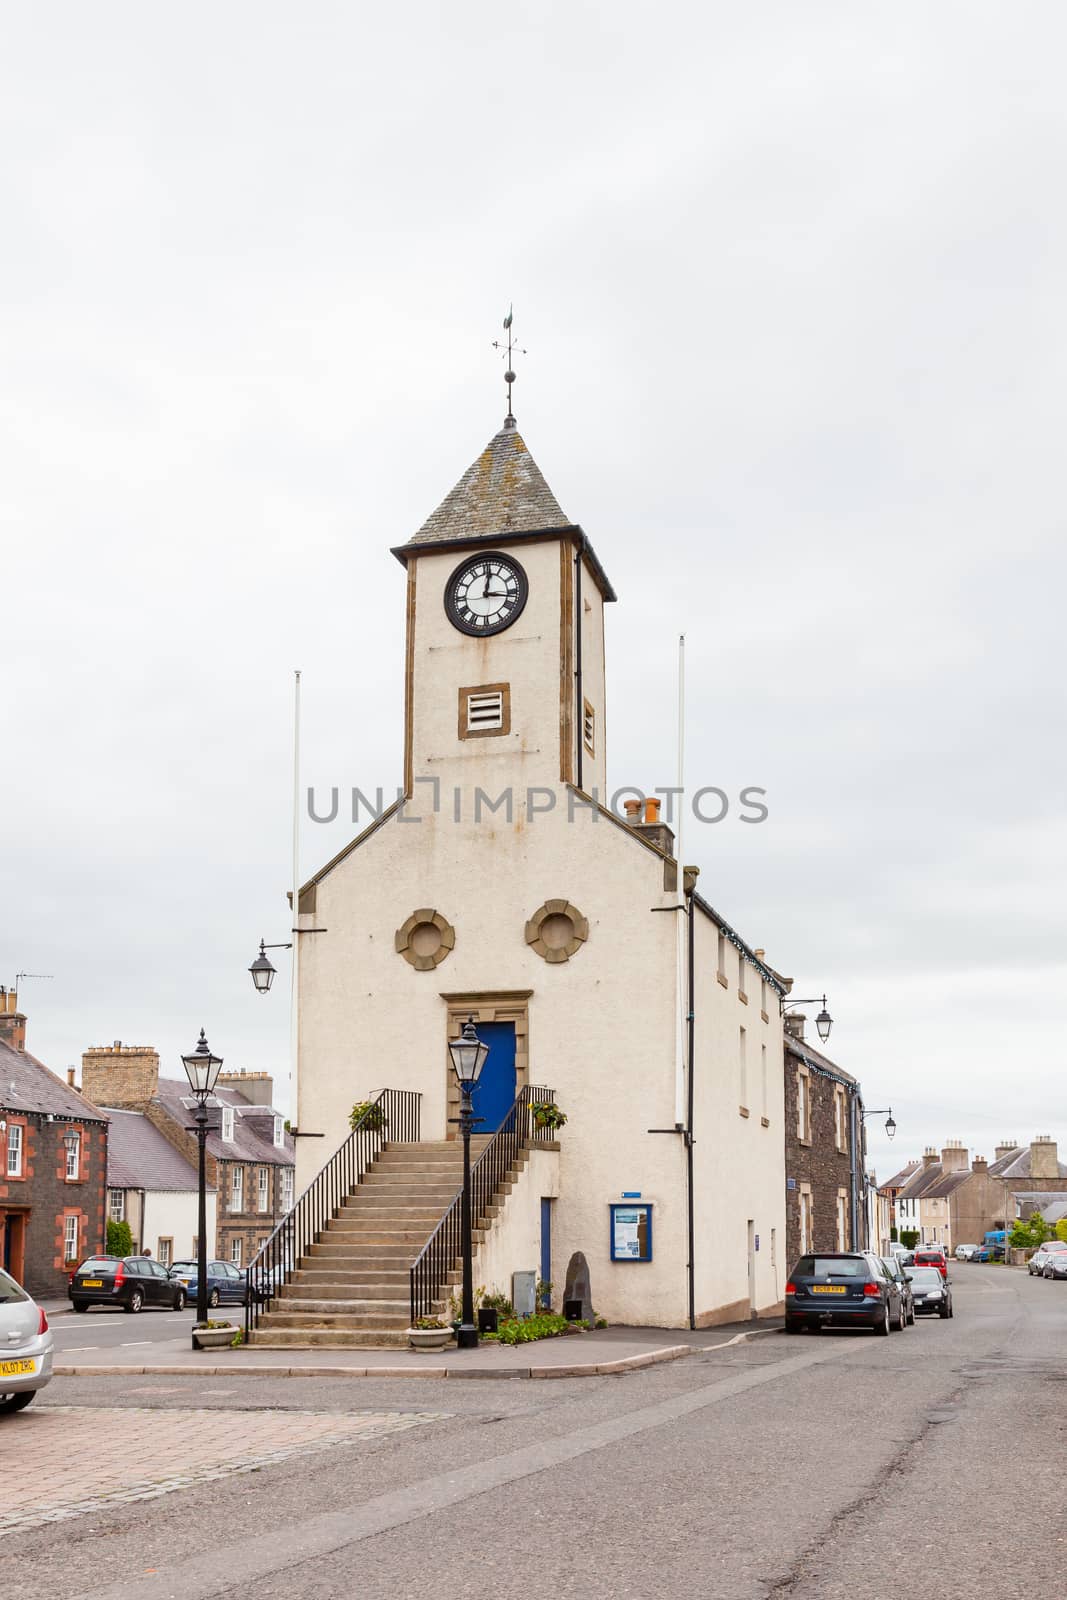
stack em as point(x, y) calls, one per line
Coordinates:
point(546, 1251)
point(495, 1092)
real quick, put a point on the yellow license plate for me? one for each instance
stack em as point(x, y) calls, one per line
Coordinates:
point(16, 1369)
point(92, 1283)
point(827, 1288)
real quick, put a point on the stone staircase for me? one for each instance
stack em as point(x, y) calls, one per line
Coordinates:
point(352, 1287)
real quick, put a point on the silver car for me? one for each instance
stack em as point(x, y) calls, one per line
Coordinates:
point(26, 1345)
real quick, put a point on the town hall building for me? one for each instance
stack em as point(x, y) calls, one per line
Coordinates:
point(504, 888)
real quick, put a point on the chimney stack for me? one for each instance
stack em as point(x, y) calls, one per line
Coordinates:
point(793, 1024)
point(954, 1157)
point(12, 1020)
point(121, 1075)
point(1005, 1148)
point(980, 1165)
point(1044, 1162)
point(929, 1157)
point(256, 1087)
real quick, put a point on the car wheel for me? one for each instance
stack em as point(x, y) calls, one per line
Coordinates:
point(882, 1328)
point(16, 1402)
point(792, 1325)
point(950, 1310)
point(136, 1300)
point(179, 1300)
point(902, 1322)
point(81, 1305)
point(943, 1312)
point(213, 1299)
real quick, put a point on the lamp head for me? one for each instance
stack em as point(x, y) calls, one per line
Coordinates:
point(468, 1054)
point(824, 1022)
point(202, 1068)
point(262, 970)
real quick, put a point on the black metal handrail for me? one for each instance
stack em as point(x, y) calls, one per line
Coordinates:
point(392, 1117)
point(443, 1248)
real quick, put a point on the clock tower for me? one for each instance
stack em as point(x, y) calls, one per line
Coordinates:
point(504, 667)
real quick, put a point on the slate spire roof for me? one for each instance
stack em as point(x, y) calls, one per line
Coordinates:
point(502, 493)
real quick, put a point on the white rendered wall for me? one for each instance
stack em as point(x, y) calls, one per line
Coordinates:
point(169, 1215)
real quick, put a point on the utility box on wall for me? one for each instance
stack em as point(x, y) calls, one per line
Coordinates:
point(523, 1291)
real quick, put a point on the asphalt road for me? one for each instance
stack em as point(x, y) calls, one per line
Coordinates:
point(813, 1468)
point(100, 1328)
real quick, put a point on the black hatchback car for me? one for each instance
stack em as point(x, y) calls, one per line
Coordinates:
point(132, 1283)
point(843, 1289)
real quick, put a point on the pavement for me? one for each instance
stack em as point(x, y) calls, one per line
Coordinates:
point(97, 1344)
point(762, 1469)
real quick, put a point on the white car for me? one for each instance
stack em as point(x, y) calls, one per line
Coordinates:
point(26, 1345)
point(964, 1252)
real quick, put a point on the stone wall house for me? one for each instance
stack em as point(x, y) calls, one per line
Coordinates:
point(825, 1207)
point(51, 1200)
point(152, 1186)
point(510, 889)
point(250, 1160)
point(952, 1202)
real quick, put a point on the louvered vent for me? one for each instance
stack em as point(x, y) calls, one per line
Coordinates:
point(485, 711)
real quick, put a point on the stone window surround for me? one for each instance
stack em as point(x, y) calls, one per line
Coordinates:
point(556, 908)
point(504, 690)
point(16, 1144)
point(804, 1131)
point(425, 917)
point(486, 1005)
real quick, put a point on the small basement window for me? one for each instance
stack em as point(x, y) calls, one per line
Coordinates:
point(484, 709)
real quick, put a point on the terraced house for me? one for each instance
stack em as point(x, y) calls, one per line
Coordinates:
point(250, 1163)
point(510, 889)
point(53, 1164)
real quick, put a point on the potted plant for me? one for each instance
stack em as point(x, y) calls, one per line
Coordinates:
point(213, 1335)
point(546, 1115)
point(369, 1114)
point(429, 1333)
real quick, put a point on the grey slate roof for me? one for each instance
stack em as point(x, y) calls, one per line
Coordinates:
point(1017, 1165)
point(139, 1157)
point(253, 1126)
point(899, 1179)
point(26, 1084)
point(807, 1052)
point(502, 493)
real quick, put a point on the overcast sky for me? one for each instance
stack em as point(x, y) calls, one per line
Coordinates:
point(791, 278)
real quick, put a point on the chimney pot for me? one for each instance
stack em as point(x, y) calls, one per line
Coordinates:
point(632, 808)
point(652, 810)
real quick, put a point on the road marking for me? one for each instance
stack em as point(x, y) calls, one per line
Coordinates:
point(133, 1344)
point(272, 1550)
point(79, 1349)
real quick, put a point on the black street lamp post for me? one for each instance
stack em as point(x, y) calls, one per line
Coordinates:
point(202, 1069)
point(468, 1058)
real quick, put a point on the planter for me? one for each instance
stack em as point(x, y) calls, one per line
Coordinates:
point(429, 1338)
point(213, 1338)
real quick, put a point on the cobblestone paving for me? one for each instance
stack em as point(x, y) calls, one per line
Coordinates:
point(73, 1460)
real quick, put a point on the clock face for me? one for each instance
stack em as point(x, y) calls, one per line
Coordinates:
point(485, 593)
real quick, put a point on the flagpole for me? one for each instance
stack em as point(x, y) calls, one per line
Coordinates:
point(294, 1002)
point(679, 921)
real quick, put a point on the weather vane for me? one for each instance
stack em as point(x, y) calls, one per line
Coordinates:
point(508, 351)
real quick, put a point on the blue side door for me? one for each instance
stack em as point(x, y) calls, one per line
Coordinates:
point(495, 1093)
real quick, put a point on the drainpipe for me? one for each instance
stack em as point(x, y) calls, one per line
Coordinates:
point(689, 876)
point(579, 707)
point(852, 1175)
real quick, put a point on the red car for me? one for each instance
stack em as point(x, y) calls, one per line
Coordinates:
point(932, 1258)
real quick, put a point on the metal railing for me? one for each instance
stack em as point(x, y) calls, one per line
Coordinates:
point(392, 1117)
point(443, 1249)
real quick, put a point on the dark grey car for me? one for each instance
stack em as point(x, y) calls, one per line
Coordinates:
point(896, 1270)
